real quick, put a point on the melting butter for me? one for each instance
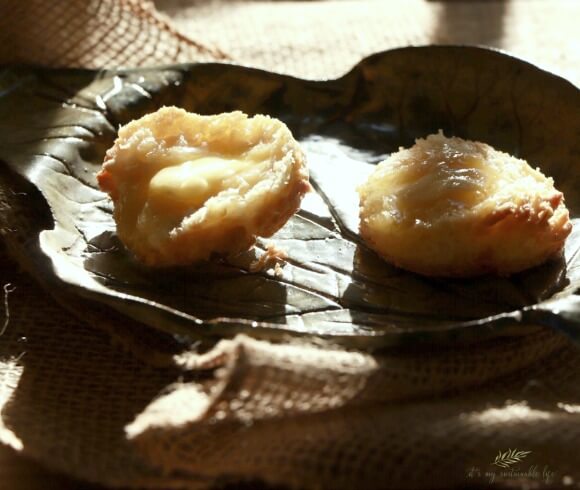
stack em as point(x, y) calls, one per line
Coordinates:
point(189, 185)
point(436, 186)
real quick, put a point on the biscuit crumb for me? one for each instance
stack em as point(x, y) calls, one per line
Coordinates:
point(272, 255)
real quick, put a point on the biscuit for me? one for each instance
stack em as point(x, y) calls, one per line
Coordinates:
point(458, 208)
point(186, 187)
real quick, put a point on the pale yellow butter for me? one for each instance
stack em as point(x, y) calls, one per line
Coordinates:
point(189, 185)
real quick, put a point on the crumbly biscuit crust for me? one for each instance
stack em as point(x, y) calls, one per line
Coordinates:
point(458, 208)
point(174, 218)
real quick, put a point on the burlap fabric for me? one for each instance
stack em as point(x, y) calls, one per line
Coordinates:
point(145, 413)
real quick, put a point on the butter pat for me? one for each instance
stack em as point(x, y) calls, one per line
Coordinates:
point(187, 186)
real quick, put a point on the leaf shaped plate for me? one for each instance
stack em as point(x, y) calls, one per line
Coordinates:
point(57, 125)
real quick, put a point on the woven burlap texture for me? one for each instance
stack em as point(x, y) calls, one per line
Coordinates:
point(143, 413)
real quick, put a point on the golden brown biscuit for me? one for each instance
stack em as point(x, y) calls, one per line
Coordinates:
point(187, 186)
point(452, 207)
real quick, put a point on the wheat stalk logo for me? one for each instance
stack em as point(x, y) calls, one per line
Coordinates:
point(511, 456)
